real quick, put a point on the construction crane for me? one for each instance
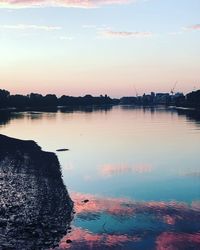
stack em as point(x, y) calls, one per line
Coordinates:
point(172, 90)
point(135, 91)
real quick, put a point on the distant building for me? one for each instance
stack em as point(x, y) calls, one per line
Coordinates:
point(162, 98)
point(148, 99)
point(178, 99)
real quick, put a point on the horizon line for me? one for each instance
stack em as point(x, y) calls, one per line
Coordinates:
point(103, 95)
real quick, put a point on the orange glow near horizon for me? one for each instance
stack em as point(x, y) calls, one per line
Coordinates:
point(76, 89)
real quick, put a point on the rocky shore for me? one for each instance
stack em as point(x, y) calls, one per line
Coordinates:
point(35, 208)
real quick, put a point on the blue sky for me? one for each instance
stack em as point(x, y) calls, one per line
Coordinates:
point(99, 46)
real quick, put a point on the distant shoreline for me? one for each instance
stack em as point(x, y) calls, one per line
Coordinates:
point(36, 101)
point(83, 107)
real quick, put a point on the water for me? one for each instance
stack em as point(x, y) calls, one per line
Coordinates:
point(139, 169)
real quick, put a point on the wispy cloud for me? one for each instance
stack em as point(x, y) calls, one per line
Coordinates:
point(60, 3)
point(89, 26)
point(125, 34)
point(175, 33)
point(192, 27)
point(29, 27)
point(66, 38)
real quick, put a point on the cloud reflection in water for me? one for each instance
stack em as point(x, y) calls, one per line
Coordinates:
point(119, 223)
point(108, 170)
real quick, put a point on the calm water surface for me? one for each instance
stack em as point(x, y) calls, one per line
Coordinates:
point(139, 169)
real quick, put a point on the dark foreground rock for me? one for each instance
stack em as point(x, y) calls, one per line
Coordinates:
point(35, 208)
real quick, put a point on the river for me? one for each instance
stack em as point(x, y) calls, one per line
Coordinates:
point(133, 173)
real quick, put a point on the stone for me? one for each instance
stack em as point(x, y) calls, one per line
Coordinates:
point(68, 241)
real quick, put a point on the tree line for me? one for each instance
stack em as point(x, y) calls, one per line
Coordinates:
point(50, 100)
point(7, 100)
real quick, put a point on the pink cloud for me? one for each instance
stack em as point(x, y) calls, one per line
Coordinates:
point(29, 27)
point(124, 34)
point(60, 3)
point(193, 27)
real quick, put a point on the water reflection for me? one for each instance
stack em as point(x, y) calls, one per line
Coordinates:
point(118, 169)
point(119, 223)
point(48, 109)
point(84, 239)
point(7, 116)
point(38, 113)
point(183, 241)
point(151, 156)
point(195, 174)
point(87, 109)
point(191, 115)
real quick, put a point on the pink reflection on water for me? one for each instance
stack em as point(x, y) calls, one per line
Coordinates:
point(170, 213)
point(85, 238)
point(113, 206)
point(127, 207)
point(80, 235)
point(117, 169)
point(196, 205)
point(175, 241)
point(168, 219)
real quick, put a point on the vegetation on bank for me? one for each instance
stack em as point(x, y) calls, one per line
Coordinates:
point(7, 100)
point(50, 100)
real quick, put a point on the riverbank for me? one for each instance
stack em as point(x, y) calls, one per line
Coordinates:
point(36, 101)
point(35, 208)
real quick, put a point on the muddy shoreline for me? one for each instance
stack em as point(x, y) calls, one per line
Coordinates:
point(35, 207)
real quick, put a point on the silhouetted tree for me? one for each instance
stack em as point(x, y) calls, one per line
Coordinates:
point(19, 101)
point(4, 95)
point(193, 99)
point(36, 100)
point(50, 100)
point(180, 101)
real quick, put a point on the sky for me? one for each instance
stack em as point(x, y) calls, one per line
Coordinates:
point(114, 47)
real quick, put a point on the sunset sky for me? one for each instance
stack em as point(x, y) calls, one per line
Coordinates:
point(76, 47)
